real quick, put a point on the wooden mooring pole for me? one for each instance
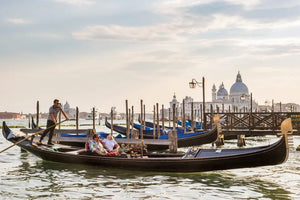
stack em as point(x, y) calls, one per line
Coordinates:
point(169, 117)
point(111, 121)
point(154, 121)
point(163, 119)
point(37, 114)
point(192, 116)
point(127, 119)
point(142, 122)
point(132, 119)
point(94, 118)
point(77, 121)
point(157, 118)
point(183, 116)
point(173, 135)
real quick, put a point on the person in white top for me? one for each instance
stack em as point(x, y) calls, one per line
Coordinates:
point(110, 144)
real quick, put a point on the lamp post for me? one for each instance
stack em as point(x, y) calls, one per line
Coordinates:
point(193, 84)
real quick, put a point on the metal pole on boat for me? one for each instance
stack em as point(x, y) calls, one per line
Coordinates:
point(141, 127)
point(154, 121)
point(77, 122)
point(157, 114)
point(37, 114)
point(127, 119)
point(163, 118)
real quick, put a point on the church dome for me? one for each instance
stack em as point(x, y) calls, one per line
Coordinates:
point(239, 87)
point(222, 91)
point(174, 100)
point(67, 106)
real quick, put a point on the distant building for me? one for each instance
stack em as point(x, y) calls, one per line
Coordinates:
point(12, 115)
point(71, 112)
point(237, 100)
point(173, 102)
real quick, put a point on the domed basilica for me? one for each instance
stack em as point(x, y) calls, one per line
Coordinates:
point(238, 98)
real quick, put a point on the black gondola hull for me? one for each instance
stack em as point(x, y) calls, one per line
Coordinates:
point(204, 160)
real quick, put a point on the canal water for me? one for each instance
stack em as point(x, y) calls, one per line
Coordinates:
point(24, 176)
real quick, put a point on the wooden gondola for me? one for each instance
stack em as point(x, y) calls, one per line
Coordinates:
point(151, 125)
point(148, 134)
point(184, 140)
point(193, 161)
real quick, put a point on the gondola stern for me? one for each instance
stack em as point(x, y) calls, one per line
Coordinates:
point(5, 130)
point(286, 132)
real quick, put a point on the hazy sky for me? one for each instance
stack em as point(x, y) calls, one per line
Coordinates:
point(99, 53)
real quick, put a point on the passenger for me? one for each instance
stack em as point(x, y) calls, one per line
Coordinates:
point(110, 144)
point(86, 149)
point(96, 145)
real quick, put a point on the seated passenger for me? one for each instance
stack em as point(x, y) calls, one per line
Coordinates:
point(96, 146)
point(86, 149)
point(110, 144)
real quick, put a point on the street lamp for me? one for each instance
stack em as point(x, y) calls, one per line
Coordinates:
point(193, 84)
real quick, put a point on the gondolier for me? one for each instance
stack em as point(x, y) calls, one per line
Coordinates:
point(51, 121)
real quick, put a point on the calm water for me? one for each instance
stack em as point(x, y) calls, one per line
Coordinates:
point(24, 176)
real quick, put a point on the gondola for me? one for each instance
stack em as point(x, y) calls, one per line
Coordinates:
point(151, 125)
point(147, 134)
point(184, 140)
point(193, 161)
point(189, 124)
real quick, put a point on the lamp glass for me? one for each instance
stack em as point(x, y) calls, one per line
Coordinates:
point(192, 84)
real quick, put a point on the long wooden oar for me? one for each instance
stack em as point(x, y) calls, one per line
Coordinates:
point(31, 136)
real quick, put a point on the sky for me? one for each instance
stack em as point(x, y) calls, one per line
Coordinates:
point(100, 53)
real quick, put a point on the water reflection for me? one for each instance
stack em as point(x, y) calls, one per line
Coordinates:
point(24, 176)
point(40, 179)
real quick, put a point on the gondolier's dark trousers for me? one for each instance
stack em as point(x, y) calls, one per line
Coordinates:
point(51, 131)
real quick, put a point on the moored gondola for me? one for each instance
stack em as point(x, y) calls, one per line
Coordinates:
point(147, 134)
point(193, 161)
point(184, 140)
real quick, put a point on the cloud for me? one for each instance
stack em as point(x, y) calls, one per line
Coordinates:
point(18, 21)
point(49, 36)
point(160, 32)
point(77, 2)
